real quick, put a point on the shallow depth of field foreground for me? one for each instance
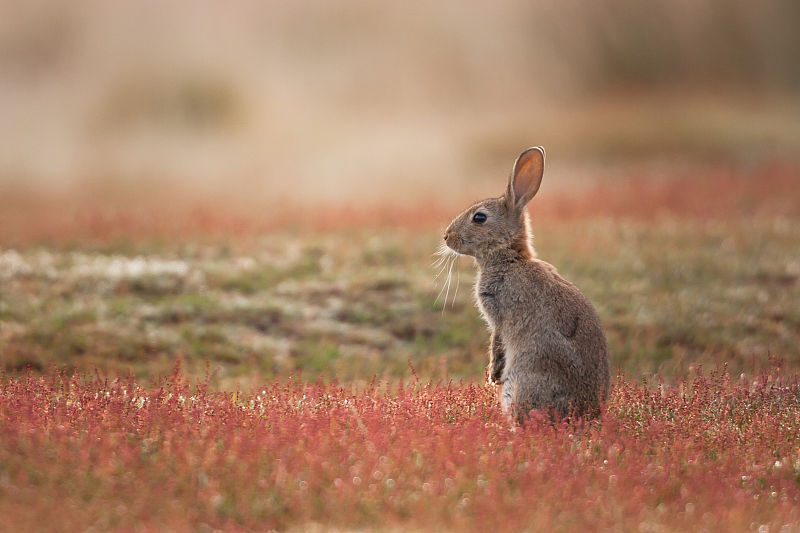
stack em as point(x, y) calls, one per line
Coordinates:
point(710, 453)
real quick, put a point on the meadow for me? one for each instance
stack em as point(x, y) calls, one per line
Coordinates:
point(710, 453)
point(195, 369)
point(218, 310)
point(684, 271)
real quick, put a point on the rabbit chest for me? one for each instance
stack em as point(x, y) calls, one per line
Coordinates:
point(488, 295)
point(526, 305)
point(503, 303)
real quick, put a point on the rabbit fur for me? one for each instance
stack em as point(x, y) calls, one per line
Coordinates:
point(547, 350)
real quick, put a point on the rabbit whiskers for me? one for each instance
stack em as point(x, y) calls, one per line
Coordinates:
point(447, 258)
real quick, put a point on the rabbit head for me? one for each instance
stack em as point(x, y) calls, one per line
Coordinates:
point(500, 224)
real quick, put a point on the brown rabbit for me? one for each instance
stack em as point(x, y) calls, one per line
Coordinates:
point(548, 350)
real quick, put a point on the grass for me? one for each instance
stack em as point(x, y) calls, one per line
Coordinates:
point(251, 212)
point(709, 453)
point(671, 293)
point(299, 405)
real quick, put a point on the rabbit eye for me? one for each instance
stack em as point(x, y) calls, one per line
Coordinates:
point(479, 218)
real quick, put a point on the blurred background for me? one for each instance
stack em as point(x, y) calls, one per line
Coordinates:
point(331, 102)
point(260, 185)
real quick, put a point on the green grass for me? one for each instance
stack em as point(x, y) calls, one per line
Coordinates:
point(350, 305)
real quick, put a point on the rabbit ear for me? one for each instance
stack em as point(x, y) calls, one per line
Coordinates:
point(525, 178)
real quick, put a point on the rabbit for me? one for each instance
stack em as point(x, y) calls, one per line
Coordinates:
point(547, 350)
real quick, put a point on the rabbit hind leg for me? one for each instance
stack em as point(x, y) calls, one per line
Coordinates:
point(539, 392)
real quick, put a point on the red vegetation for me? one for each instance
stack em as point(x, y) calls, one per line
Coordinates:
point(103, 215)
point(710, 453)
point(701, 193)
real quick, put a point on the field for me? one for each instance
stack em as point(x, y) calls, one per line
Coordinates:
point(684, 271)
point(708, 454)
point(218, 304)
point(200, 369)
